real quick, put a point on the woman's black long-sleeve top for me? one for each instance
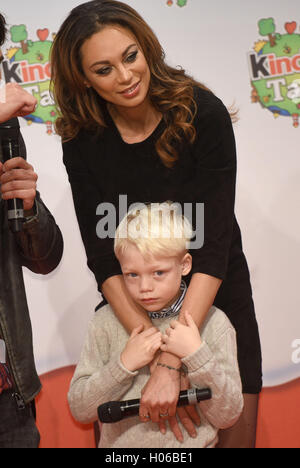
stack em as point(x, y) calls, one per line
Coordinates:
point(100, 168)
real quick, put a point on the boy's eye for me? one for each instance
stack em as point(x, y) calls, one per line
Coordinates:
point(132, 275)
point(159, 273)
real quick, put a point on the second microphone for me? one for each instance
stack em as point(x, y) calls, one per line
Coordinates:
point(114, 411)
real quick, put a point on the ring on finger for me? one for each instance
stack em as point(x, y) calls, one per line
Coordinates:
point(164, 415)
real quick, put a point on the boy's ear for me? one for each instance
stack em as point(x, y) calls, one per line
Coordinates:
point(186, 264)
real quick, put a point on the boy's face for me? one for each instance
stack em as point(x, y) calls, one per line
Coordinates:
point(153, 283)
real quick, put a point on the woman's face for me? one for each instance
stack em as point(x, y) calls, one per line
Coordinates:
point(115, 66)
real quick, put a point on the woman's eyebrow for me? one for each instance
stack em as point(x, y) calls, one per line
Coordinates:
point(105, 62)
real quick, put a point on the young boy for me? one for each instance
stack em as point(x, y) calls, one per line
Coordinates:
point(151, 245)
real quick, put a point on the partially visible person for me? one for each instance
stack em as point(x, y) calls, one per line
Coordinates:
point(39, 247)
point(154, 259)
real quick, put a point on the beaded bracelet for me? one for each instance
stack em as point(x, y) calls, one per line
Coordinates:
point(181, 370)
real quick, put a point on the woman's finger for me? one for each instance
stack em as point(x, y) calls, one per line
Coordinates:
point(187, 422)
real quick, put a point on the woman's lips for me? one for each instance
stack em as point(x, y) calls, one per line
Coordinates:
point(131, 92)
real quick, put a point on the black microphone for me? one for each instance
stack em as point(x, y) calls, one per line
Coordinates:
point(9, 136)
point(114, 411)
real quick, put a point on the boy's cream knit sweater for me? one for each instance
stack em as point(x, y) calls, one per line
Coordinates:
point(100, 377)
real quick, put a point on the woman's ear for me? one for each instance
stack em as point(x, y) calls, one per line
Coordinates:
point(186, 264)
point(87, 84)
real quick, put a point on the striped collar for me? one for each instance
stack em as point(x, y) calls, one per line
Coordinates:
point(172, 310)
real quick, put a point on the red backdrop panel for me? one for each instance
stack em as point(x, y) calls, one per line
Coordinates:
point(278, 418)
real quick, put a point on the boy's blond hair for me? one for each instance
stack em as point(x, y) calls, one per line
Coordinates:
point(155, 229)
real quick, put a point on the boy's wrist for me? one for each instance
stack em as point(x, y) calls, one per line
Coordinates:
point(192, 348)
point(126, 363)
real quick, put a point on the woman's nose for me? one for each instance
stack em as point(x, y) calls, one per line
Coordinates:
point(124, 74)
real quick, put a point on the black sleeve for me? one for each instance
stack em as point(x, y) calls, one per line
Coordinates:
point(40, 242)
point(215, 158)
point(87, 196)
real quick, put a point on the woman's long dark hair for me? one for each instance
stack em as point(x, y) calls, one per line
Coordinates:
point(171, 89)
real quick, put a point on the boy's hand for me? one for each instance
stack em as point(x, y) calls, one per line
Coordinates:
point(18, 180)
point(180, 339)
point(141, 348)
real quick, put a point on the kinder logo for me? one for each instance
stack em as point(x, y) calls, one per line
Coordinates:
point(27, 63)
point(180, 3)
point(275, 70)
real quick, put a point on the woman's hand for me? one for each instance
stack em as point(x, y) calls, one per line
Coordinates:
point(187, 415)
point(18, 180)
point(160, 395)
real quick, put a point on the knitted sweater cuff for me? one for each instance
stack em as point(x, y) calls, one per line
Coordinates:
point(198, 359)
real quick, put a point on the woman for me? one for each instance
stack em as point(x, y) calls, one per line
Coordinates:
point(133, 125)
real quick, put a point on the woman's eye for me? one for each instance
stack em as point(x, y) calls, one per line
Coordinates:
point(132, 57)
point(103, 71)
point(132, 275)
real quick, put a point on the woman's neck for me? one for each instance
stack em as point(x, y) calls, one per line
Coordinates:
point(137, 122)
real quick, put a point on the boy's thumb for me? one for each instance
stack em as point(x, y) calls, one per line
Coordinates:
point(137, 330)
point(189, 320)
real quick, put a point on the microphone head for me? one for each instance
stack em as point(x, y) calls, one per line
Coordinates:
point(110, 412)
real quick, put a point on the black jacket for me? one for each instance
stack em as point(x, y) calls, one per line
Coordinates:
point(39, 247)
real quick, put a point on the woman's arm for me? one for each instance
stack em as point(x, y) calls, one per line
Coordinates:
point(87, 197)
point(200, 297)
point(130, 314)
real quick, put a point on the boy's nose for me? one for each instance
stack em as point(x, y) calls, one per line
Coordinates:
point(146, 285)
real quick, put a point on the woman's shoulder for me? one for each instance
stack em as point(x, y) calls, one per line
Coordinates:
point(83, 137)
point(83, 146)
point(210, 108)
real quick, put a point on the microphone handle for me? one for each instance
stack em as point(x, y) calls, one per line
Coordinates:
point(193, 396)
point(186, 397)
point(130, 408)
point(10, 148)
